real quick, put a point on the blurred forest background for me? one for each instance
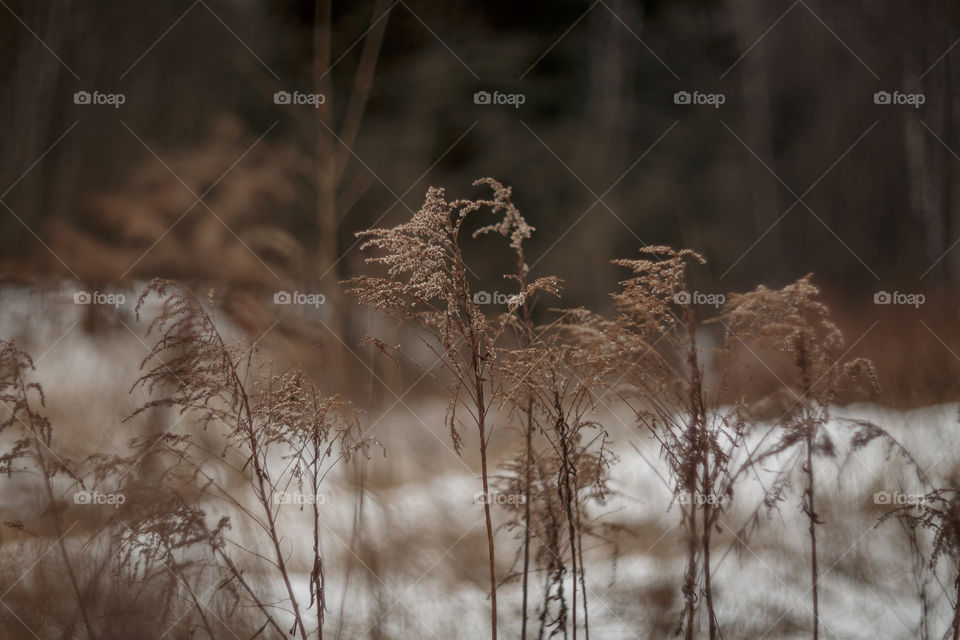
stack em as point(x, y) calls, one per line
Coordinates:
point(199, 175)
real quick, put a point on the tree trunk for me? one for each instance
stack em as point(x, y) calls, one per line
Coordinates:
point(326, 182)
point(748, 23)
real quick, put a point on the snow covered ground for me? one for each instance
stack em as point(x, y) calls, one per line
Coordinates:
point(419, 568)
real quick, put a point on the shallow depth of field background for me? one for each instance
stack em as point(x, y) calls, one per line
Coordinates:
point(827, 141)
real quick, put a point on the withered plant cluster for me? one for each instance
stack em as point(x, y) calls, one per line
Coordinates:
point(654, 334)
point(262, 444)
point(547, 379)
point(208, 538)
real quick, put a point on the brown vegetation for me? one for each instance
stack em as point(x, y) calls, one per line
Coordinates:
point(253, 435)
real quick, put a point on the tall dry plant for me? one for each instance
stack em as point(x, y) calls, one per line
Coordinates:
point(554, 386)
point(795, 323)
point(519, 318)
point(31, 434)
point(263, 435)
point(538, 517)
point(654, 337)
point(426, 291)
point(549, 378)
point(938, 513)
point(146, 586)
point(164, 546)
